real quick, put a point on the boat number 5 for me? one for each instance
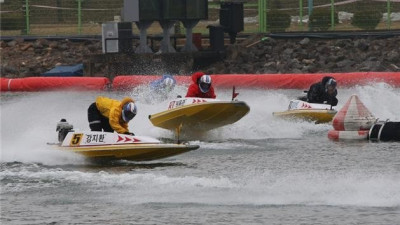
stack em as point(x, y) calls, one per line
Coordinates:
point(76, 139)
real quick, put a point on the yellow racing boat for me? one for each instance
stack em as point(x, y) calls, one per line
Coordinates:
point(113, 146)
point(301, 110)
point(200, 114)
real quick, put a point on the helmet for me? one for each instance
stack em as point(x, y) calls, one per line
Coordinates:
point(205, 83)
point(168, 83)
point(129, 111)
point(330, 83)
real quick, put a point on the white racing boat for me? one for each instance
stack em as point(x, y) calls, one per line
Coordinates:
point(109, 146)
point(301, 110)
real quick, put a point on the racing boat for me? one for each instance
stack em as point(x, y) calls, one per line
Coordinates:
point(200, 114)
point(320, 113)
point(113, 146)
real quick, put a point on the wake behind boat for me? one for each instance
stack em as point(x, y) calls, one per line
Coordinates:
point(114, 146)
point(320, 113)
point(201, 114)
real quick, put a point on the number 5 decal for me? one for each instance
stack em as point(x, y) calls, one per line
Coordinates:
point(76, 140)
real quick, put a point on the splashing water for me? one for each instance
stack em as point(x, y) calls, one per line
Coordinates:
point(28, 120)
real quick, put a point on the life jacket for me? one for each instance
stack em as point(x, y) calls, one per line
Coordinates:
point(112, 109)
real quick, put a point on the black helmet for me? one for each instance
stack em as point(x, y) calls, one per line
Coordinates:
point(330, 83)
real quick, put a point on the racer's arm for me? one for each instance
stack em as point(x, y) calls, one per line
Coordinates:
point(332, 100)
point(192, 91)
point(314, 95)
point(115, 124)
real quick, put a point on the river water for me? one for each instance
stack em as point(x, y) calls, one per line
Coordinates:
point(260, 170)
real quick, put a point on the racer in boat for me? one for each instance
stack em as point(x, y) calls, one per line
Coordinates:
point(323, 92)
point(201, 86)
point(111, 115)
point(163, 86)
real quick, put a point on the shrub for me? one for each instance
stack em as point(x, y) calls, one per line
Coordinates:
point(320, 19)
point(277, 21)
point(367, 19)
point(12, 21)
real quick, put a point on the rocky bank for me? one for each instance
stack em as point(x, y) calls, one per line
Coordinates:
point(20, 58)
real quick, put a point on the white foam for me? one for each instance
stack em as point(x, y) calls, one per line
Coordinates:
point(311, 188)
point(248, 186)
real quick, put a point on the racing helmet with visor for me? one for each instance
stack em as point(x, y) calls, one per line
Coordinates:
point(129, 111)
point(205, 83)
point(168, 84)
point(330, 85)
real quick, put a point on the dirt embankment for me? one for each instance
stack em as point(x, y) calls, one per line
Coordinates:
point(312, 55)
point(20, 58)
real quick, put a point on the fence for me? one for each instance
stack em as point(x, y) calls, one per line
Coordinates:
point(68, 17)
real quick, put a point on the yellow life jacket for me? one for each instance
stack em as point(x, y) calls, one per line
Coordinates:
point(112, 109)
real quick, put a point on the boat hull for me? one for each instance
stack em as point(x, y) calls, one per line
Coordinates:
point(132, 152)
point(317, 115)
point(106, 145)
point(202, 116)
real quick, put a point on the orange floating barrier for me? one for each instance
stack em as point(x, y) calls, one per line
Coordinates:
point(270, 81)
point(55, 83)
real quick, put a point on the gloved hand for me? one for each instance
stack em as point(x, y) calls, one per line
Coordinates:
point(129, 133)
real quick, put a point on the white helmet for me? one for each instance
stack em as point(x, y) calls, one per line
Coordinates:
point(205, 83)
point(168, 83)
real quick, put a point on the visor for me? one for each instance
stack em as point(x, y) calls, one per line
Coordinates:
point(204, 87)
point(127, 115)
point(128, 112)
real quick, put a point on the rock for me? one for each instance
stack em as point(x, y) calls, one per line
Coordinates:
point(10, 69)
point(305, 41)
point(53, 45)
point(370, 66)
point(26, 46)
point(270, 41)
point(38, 51)
point(12, 43)
point(394, 67)
point(274, 55)
point(346, 63)
point(393, 56)
point(343, 43)
point(308, 61)
point(19, 40)
point(92, 47)
point(288, 51)
point(361, 44)
point(3, 44)
point(63, 47)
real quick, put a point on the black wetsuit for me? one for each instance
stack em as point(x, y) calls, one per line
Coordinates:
point(98, 122)
point(318, 94)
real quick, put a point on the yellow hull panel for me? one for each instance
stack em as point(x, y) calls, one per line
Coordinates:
point(201, 116)
point(317, 115)
point(134, 152)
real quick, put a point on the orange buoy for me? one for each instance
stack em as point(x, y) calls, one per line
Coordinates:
point(352, 122)
point(348, 135)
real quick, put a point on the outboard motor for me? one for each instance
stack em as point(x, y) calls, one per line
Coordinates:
point(63, 128)
point(385, 131)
